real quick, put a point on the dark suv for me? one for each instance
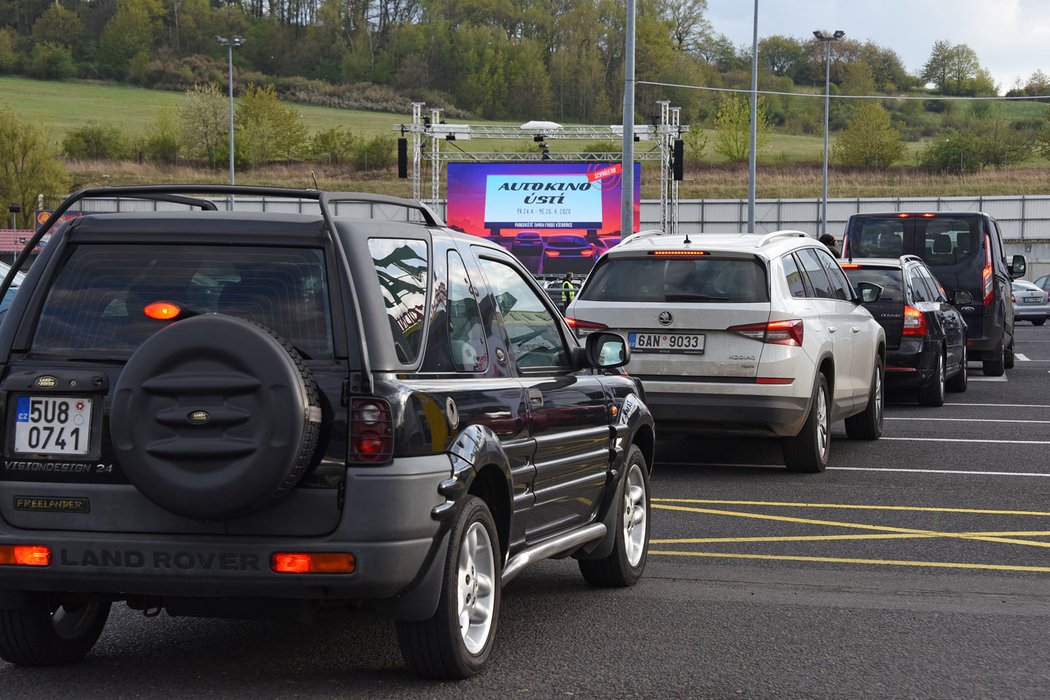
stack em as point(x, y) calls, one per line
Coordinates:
point(221, 413)
point(965, 252)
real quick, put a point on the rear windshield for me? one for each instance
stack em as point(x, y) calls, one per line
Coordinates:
point(939, 240)
point(96, 303)
point(702, 279)
point(887, 278)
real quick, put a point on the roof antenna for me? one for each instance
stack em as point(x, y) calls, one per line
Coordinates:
point(687, 241)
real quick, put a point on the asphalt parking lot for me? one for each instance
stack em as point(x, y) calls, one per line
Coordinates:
point(915, 566)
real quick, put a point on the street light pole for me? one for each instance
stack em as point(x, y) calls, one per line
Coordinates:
point(752, 153)
point(827, 39)
point(229, 43)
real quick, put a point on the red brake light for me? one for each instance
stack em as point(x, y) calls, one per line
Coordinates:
point(986, 273)
point(678, 253)
point(587, 252)
point(371, 431)
point(578, 324)
point(25, 555)
point(849, 266)
point(774, 332)
point(914, 321)
point(162, 310)
point(551, 253)
point(313, 563)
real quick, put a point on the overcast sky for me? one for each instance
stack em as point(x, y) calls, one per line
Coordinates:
point(1011, 37)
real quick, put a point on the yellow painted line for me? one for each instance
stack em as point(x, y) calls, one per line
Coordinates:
point(872, 562)
point(824, 538)
point(857, 526)
point(846, 506)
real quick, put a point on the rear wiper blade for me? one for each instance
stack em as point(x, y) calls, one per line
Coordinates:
point(688, 296)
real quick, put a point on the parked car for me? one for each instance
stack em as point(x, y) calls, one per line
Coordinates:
point(1031, 303)
point(527, 247)
point(567, 253)
point(1043, 282)
point(16, 282)
point(241, 450)
point(965, 251)
point(742, 334)
point(925, 334)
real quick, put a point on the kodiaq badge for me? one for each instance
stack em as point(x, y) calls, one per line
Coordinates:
point(199, 417)
point(46, 382)
point(665, 318)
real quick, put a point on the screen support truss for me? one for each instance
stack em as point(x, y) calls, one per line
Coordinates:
point(429, 154)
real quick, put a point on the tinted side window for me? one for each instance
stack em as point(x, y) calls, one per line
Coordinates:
point(813, 269)
point(936, 290)
point(97, 301)
point(794, 277)
point(533, 333)
point(919, 292)
point(401, 266)
point(465, 333)
point(840, 285)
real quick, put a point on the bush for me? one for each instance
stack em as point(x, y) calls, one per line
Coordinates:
point(956, 153)
point(332, 146)
point(50, 62)
point(378, 153)
point(94, 142)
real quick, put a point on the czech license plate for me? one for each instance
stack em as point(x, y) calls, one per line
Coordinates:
point(1033, 300)
point(688, 343)
point(53, 425)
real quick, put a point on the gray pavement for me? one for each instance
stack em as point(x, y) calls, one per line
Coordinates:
point(915, 566)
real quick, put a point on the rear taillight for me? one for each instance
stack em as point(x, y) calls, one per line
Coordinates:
point(582, 327)
point(313, 563)
point(774, 332)
point(914, 321)
point(25, 555)
point(371, 431)
point(551, 253)
point(986, 273)
point(1013, 297)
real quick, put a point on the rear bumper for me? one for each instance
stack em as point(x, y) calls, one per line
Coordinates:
point(1027, 313)
point(716, 414)
point(912, 364)
point(394, 549)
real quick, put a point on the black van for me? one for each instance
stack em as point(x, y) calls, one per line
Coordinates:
point(965, 252)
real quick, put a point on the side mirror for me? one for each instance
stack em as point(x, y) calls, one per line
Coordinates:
point(1018, 266)
point(962, 298)
point(607, 350)
point(869, 292)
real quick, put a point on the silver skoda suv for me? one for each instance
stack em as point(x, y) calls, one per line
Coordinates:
point(743, 334)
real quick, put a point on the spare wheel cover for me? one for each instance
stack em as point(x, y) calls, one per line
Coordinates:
point(214, 417)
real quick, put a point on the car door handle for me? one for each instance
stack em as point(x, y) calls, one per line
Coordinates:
point(855, 329)
point(535, 397)
point(832, 329)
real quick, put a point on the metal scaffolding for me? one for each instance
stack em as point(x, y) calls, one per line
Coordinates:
point(428, 133)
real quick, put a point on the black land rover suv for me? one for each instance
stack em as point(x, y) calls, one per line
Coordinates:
point(222, 413)
point(965, 252)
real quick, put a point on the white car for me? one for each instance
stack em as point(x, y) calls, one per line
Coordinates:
point(745, 334)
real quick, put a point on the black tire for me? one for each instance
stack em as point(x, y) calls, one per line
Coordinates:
point(996, 366)
point(868, 424)
point(809, 450)
point(957, 384)
point(214, 417)
point(51, 632)
point(625, 564)
point(1038, 321)
point(438, 647)
point(932, 392)
point(1008, 356)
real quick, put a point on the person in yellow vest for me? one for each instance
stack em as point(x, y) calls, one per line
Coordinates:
point(568, 290)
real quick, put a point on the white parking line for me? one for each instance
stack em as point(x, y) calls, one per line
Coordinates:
point(972, 420)
point(997, 442)
point(1021, 358)
point(1003, 405)
point(935, 471)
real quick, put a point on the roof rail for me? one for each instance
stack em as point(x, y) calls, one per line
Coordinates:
point(642, 234)
point(782, 234)
point(183, 194)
